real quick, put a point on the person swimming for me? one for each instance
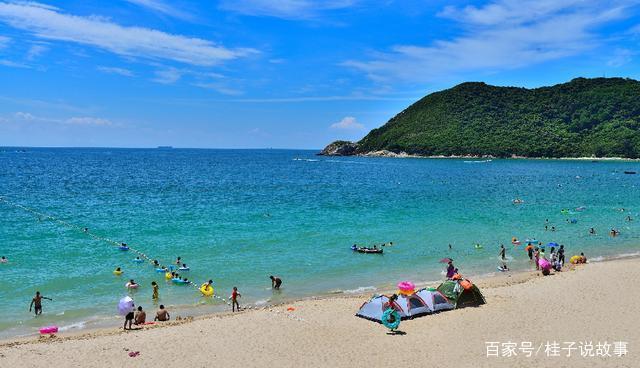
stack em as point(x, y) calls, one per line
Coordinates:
point(592, 231)
point(4, 259)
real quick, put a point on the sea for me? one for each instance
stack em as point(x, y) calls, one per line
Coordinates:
point(238, 216)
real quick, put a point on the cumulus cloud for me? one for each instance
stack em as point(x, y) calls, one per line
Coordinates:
point(503, 34)
point(114, 70)
point(347, 123)
point(286, 9)
point(51, 23)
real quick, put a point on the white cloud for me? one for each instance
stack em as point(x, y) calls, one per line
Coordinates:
point(21, 116)
point(621, 57)
point(168, 76)
point(114, 70)
point(13, 64)
point(347, 123)
point(286, 9)
point(36, 50)
point(4, 41)
point(86, 120)
point(50, 23)
point(503, 34)
point(163, 7)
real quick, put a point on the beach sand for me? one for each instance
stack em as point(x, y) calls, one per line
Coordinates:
point(591, 303)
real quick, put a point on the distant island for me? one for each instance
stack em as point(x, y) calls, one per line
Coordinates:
point(597, 117)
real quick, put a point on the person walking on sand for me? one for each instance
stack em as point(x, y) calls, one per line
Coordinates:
point(503, 254)
point(37, 302)
point(275, 282)
point(155, 287)
point(234, 299)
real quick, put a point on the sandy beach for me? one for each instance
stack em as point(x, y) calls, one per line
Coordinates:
point(590, 303)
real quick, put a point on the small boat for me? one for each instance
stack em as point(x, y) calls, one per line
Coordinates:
point(366, 250)
point(630, 172)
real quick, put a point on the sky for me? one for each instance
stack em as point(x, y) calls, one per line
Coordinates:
point(279, 73)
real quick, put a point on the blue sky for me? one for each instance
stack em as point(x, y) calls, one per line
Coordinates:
point(279, 73)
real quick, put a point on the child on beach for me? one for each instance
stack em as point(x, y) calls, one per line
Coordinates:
point(234, 299)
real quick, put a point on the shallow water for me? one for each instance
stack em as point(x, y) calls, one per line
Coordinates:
point(238, 216)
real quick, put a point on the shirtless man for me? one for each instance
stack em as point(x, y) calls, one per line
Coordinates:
point(140, 317)
point(37, 301)
point(162, 314)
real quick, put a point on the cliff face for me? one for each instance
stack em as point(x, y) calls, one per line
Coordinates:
point(584, 117)
point(340, 148)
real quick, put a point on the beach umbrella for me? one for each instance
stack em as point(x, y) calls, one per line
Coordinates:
point(125, 305)
point(446, 260)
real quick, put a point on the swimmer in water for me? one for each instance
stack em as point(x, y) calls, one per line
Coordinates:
point(37, 302)
point(592, 231)
point(4, 259)
point(178, 261)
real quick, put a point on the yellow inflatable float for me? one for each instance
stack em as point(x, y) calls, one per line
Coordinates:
point(575, 259)
point(168, 275)
point(206, 289)
point(117, 271)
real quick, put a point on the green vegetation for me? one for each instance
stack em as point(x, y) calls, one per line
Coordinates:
point(585, 117)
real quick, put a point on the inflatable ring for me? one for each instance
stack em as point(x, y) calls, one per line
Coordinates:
point(391, 318)
point(117, 273)
point(131, 286)
point(206, 290)
point(478, 246)
point(138, 260)
point(168, 276)
point(183, 269)
point(179, 281)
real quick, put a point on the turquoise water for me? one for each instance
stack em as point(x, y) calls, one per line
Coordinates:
point(238, 216)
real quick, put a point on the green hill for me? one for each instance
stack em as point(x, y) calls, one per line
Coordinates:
point(585, 117)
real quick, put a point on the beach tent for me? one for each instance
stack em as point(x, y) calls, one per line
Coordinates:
point(435, 300)
point(462, 293)
point(408, 306)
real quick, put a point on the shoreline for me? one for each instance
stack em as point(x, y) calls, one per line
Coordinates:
point(389, 154)
point(490, 280)
point(325, 332)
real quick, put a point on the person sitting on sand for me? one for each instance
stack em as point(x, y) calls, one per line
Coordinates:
point(4, 260)
point(140, 317)
point(37, 301)
point(583, 259)
point(162, 314)
point(275, 282)
point(234, 299)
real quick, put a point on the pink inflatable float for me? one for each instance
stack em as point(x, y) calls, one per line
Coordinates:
point(544, 264)
point(49, 330)
point(406, 287)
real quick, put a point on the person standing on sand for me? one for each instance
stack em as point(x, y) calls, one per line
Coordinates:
point(503, 251)
point(155, 287)
point(561, 254)
point(451, 270)
point(37, 301)
point(275, 282)
point(234, 299)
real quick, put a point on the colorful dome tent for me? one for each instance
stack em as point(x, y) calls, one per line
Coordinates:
point(418, 304)
point(462, 293)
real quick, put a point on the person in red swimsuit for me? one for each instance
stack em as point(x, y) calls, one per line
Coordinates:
point(234, 299)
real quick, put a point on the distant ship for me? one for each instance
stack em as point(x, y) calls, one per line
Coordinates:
point(165, 147)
